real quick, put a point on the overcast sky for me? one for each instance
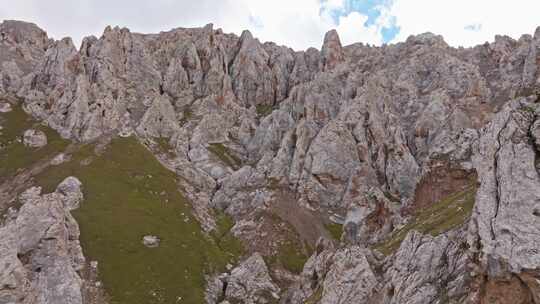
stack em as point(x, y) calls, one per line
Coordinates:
point(296, 23)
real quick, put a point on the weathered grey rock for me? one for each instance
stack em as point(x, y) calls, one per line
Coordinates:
point(40, 254)
point(370, 217)
point(22, 46)
point(60, 158)
point(71, 189)
point(5, 107)
point(34, 138)
point(330, 160)
point(427, 269)
point(350, 279)
point(331, 275)
point(251, 283)
point(331, 52)
point(251, 76)
point(239, 192)
point(151, 241)
point(214, 288)
point(159, 120)
point(504, 229)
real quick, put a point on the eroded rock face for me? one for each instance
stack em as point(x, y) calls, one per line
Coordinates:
point(424, 269)
point(22, 46)
point(248, 283)
point(40, 253)
point(353, 131)
point(428, 269)
point(317, 121)
point(331, 52)
point(504, 228)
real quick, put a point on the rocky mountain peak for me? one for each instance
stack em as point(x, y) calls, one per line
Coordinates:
point(331, 51)
point(428, 39)
point(19, 32)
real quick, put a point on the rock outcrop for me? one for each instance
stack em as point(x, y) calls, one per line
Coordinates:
point(40, 255)
point(22, 46)
point(424, 269)
point(504, 229)
point(248, 283)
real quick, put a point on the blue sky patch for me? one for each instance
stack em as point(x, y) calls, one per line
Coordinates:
point(369, 8)
point(256, 22)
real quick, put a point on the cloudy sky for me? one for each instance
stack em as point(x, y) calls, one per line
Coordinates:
point(297, 23)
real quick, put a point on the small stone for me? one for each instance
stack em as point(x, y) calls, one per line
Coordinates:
point(87, 161)
point(71, 189)
point(151, 241)
point(59, 159)
point(5, 107)
point(34, 138)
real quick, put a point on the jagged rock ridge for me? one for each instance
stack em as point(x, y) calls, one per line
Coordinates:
point(354, 133)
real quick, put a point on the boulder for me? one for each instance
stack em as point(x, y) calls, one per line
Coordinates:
point(5, 107)
point(34, 138)
point(151, 241)
point(71, 189)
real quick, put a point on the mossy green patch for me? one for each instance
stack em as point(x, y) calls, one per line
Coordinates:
point(223, 237)
point(292, 257)
point(263, 109)
point(315, 297)
point(13, 154)
point(13, 125)
point(226, 156)
point(273, 183)
point(163, 144)
point(335, 230)
point(187, 116)
point(438, 218)
point(128, 194)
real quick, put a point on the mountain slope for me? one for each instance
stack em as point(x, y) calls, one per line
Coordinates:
point(383, 144)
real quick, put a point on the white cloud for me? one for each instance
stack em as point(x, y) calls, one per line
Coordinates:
point(350, 30)
point(453, 19)
point(296, 23)
point(303, 23)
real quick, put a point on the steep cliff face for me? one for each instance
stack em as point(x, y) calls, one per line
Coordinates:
point(386, 141)
point(504, 226)
point(40, 252)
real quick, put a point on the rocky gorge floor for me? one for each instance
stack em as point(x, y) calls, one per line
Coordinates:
point(196, 166)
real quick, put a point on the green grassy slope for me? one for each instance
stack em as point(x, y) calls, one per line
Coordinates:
point(128, 194)
point(442, 216)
